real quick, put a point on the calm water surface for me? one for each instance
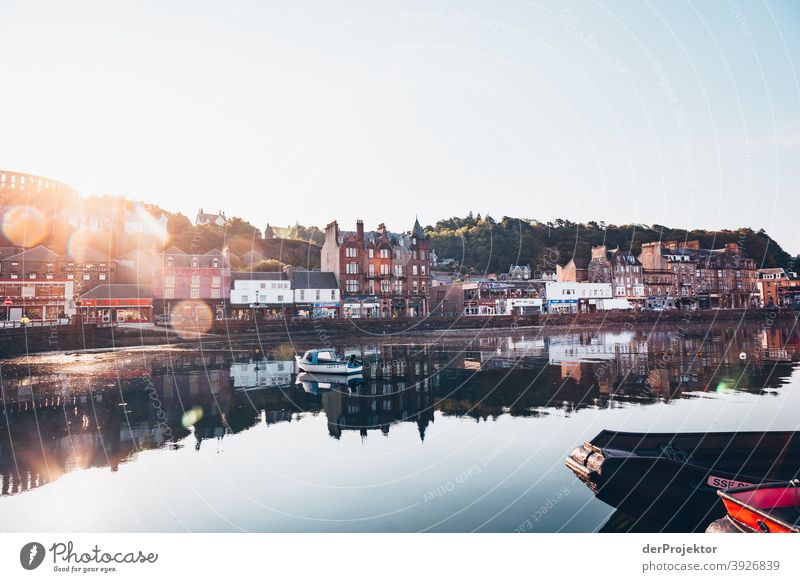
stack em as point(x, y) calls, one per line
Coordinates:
point(461, 433)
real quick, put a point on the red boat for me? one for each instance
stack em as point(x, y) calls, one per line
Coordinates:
point(772, 508)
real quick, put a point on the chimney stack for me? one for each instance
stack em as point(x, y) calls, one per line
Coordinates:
point(382, 228)
point(360, 230)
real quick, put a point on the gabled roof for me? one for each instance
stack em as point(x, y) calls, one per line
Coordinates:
point(313, 280)
point(580, 262)
point(173, 250)
point(253, 256)
point(133, 255)
point(9, 251)
point(38, 254)
point(118, 291)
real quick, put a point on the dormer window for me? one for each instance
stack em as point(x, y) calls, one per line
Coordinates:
point(195, 263)
point(170, 262)
point(215, 263)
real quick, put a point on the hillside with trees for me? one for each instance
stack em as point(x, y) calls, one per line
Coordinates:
point(483, 245)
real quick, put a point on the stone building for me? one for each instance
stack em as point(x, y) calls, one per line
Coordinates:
point(621, 269)
point(380, 273)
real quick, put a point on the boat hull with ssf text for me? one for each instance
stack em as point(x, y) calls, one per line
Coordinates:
point(669, 475)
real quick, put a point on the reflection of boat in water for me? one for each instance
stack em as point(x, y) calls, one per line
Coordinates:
point(315, 383)
point(667, 475)
point(773, 508)
point(328, 361)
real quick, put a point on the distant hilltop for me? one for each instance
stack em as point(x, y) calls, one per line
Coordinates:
point(473, 244)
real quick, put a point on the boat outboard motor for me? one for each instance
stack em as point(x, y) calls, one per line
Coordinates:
point(352, 359)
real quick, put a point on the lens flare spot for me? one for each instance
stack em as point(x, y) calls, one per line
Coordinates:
point(192, 417)
point(189, 318)
point(24, 226)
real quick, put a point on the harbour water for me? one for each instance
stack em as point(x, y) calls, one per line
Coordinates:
point(461, 432)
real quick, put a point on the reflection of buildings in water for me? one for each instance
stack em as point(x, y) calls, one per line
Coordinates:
point(262, 373)
point(101, 419)
point(378, 408)
point(777, 343)
point(592, 347)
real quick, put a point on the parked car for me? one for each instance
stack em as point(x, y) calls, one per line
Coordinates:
point(168, 319)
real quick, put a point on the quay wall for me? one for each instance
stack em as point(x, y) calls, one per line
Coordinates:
point(77, 336)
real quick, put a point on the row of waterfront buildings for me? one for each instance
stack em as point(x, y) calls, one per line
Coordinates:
point(363, 274)
point(376, 274)
point(665, 275)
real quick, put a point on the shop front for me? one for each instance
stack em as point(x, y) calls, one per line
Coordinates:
point(318, 310)
point(361, 307)
point(47, 300)
point(481, 307)
point(562, 305)
point(117, 303)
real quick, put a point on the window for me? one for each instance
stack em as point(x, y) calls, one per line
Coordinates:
point(215, 263)
point(352, 286)
point(333, 294)
point(384, 253)
point(350, 252)
point(302, 294)
point(194, 293)
point(195, 263)
point(384, 286)
point(384, 269)
point(413, 269)
point(280, 298)
point(86, 277)
point(351, 268)
point(170, 262)
point(102, 276)
point(318, 294)
point(423, 269)
point(414, 255)
point(398, 270)
point(422, 255)
point(371, 269)
point(372, 288)
point(195, 280)
point(371, 253)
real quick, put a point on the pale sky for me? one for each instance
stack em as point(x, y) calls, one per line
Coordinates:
point(677, 113)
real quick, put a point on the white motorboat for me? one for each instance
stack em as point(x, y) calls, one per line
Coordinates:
point(328, 361)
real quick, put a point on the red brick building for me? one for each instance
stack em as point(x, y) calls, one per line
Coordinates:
point(198, 284)
point(778, 287)
point(380, 273)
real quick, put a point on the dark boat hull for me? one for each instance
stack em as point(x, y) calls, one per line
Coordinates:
point(667, 476)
